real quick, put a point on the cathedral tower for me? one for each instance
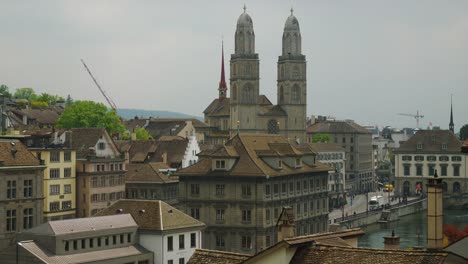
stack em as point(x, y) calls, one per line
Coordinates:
point(244, 78)
point(292, 86)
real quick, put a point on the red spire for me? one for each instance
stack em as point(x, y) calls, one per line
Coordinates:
point(222, 83)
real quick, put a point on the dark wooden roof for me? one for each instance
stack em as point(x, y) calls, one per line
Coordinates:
point(85, 138)
point(216, 257)
point(147, 173)
point(432, 141)
point(14, 153)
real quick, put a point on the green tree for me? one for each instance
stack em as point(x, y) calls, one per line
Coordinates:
point(5, 91)
point(142, 134)
point(320, 138)
point(90, 114)
point(50, 99)
point(25, 93)
point(69, 101)
point(39, 104)
point(464, 132)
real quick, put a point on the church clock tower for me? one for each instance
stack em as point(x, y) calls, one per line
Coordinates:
point(292, 86)
point(244, 78)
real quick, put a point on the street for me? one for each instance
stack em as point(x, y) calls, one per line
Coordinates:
point(359, 204)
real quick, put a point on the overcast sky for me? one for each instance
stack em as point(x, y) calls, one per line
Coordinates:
point(366, 60)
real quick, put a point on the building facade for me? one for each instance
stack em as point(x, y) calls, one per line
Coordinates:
point(238, 190)
point(22, 193)
point(357, 142)
point(423, 154)
point(248, 111)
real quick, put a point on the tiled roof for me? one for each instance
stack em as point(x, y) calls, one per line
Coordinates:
point(78, 225)
point(263, 100)
point(324, 236)
point(249, 163)
point(42, 116)
point(216, 257)
point(84, 138)
point(147, 172)
point(164, 127)
point(219, 107)
point(14, 153)
point(326, 147)
point(132, 124)
point(330, 254)
point(86, 257)
point(339, 127)
point(175, 150)
point(272, 110)
point(432, 141)
point(153, 214)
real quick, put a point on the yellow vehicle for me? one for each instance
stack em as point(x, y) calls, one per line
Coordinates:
point(388, 188)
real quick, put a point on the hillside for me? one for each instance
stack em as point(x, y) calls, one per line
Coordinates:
point(131, 113)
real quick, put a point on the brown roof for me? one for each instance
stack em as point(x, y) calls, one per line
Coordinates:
point(85, 138)
point(339, 127)
point(322, 236)
point(140, 150)
point(147, 172)
point(432, 141)
point(326, 147)
point(272, 110)
point(14, 153)
point(219, 107)
point(132, 124)
point(249, 163)
point(175, 150)
point(42, 116)
point(331, 254)
point(153, 214)
point(216, 257)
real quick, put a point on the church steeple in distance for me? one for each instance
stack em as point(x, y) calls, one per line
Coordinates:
point(222, 82)
point(451, 124)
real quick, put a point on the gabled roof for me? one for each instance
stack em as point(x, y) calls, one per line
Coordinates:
point(152, 215)
point(85, 138)
point(14, 153)
point(147, 172)
point(338, 127)
point(219, 107)
point(272, 110)
point(216, 257)
point(432, 141)
point(323, 254)
point(78, 225)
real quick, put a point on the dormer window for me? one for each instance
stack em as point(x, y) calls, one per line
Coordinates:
point(280, 164)
point(298, 162)
point(419, 146)
point(220, 164)
point(101, 145)
point(444, 146)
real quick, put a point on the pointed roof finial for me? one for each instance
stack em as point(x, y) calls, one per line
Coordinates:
point(222, 82)
point(292, 11)
point(245, 8)
point(451, 124)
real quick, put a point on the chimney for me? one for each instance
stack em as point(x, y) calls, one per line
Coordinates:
point(392, 242)
point(164, 157)
point(285, 224)
point(133, 136)
point(13, 149)
point(434, 213)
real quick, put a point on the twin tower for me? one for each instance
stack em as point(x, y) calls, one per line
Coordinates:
point(251, 112)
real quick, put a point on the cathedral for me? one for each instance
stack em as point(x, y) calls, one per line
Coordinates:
point(248, 111)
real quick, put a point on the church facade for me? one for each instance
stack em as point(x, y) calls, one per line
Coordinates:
point(247, 110)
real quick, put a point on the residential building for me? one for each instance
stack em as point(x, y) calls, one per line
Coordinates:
point(247, 110)
point(104, 239)
point(151, 181)
point(100, 170)
point(357, 142)
point(423, 154)
point(334, 156)
point(238, 191)
point(22, 193)
point(162, 229)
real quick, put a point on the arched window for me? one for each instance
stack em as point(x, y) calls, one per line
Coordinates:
point(295, 93)
point(456, 187)
point(295, 72)
point(444, 187)
point(281, 95)
point(273, 127)
point(234, 92)
point(248, 94)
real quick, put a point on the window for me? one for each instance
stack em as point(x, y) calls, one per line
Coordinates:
point(195, 189)
point(55, 156)
point(195, 213)
point(91, 242)
point(181, 242)
point(75, 244)
point(246, 242)
point(456, 158)
point(267, 189)
point(419, 170)
point(67, 245)
point(444, 158)
point(276, 213)
point(121, 238)
point(11, 220)
point(246, 190)
point(311, 185)
point(267, 215)
point(193, 240)
point(275, 188)
point(103, 196)
point(219, 189)
point(431, 158)
point(220, 241)
point(431, 169)
point(298, 209)
point(94, 197)
point(54, 173)
point(443, 170)
point(67, 156)
point(67, 172)
point(273, 127)
point(219, 214)
point(103, 181)
point(11, 189)
point(444, 146)
point(66, 205)
point(298, 162)
point(406, 169)
point(220, 164)
point(99, 240)
point(67, 188)
point(456, 170)
point(298, 186)
point(280, 164)
point(106, 241)
point(406, 158)
point(54, 206)
point(27, 188)
point(170, 261)
point(27, 218)
point(181, 261)
point(295, 91)
point(246, 216)
point(283, 188)
point(54, 189)
point(419, 146)
point(129, 238)
point(343, 140)
point(83, 243)
point(114, 239)
point(101, 145)
point(291, 187)
point(419, 158)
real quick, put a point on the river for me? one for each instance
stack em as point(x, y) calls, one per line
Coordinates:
point(410, 228)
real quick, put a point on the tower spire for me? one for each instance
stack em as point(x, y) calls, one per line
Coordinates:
point(222, 82)
point(451, 124)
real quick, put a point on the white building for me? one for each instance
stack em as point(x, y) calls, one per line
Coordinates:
point(190, 155)
point(169, 233)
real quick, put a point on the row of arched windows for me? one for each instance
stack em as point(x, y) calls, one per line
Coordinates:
point(295, 94)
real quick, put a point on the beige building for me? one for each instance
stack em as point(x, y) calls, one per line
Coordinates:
point(357, 142)
point(21, 195)
point(238, 190)
point(100, 170)
point(248, 111)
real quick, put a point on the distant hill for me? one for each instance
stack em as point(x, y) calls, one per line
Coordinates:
point(131, 113)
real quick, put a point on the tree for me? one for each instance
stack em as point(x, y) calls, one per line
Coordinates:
point(50, 99)
point(69, 101)
point(464, 132)
point(142, 134)
point(5, 91)
point(25, 93)
point(320, 138)
point(90, 114)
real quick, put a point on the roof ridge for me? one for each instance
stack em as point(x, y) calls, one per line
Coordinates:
point(248, 154)
point(223, 252)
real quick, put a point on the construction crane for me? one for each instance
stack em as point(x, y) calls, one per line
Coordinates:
point(108, 99)
point(417, 116)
